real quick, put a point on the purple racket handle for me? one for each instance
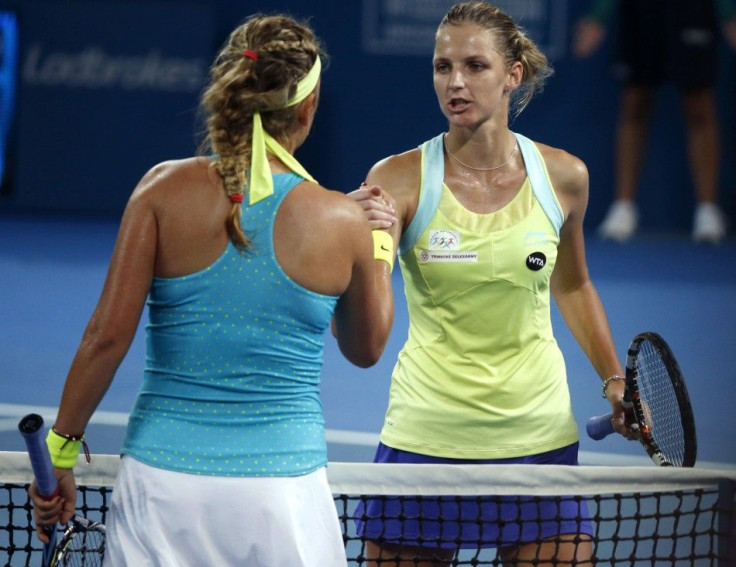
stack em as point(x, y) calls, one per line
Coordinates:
point(33, 431)
point(599, 427)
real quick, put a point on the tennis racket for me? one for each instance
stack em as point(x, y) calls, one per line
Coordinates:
point(83, 542)
point(656, 403)
point(31, 427)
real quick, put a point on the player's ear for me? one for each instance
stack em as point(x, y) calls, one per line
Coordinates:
point(307, 109)
point(514, 77)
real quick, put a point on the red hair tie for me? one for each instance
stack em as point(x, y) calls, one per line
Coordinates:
point(236, 198)
point(250, 54)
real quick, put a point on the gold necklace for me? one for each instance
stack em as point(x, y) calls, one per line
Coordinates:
point(499, 166)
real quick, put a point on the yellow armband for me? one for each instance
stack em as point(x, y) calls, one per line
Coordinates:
point(64, 449)
point(383, 247)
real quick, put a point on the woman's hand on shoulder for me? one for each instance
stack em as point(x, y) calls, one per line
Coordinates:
point(378, 205)
point(398, 176)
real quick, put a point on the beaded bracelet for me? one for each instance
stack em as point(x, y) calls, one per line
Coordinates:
point(64, 449)
point(609, 379)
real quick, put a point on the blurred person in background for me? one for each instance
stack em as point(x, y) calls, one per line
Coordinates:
point(660, 41)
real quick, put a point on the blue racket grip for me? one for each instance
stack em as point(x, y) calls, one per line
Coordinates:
point(32, 429)
point(599, 427)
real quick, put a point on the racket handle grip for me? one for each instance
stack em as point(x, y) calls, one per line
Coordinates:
point(32, 429)
point(599, 427)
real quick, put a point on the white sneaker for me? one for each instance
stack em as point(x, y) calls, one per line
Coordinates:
point(620, 222)
point(709, 224)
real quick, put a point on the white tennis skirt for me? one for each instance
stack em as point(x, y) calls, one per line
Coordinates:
point(172, 519)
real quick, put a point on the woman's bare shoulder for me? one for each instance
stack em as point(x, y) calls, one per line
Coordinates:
point(566, 170)
point(325, 205)
point(395, 169)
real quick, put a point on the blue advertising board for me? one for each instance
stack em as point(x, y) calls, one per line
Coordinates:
point(107, 90)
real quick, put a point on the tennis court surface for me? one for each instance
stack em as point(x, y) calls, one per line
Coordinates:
point(51, 272)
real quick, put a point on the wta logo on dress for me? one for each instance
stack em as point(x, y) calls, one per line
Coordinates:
point(536, 261)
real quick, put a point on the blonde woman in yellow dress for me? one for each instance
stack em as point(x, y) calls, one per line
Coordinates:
point(490, 228)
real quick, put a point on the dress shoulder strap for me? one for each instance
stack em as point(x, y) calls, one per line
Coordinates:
point(536, 170)
point(430, 192)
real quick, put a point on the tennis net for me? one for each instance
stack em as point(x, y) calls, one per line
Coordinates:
point(637, 515)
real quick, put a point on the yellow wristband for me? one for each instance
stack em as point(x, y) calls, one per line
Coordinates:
point(383, 247)
point(63, 450)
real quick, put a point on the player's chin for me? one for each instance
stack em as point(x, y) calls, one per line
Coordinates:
point(460, 119)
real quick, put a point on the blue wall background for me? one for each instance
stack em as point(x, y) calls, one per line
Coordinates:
point(82, 137)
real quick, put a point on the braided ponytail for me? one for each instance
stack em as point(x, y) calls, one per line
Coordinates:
point(256, 71)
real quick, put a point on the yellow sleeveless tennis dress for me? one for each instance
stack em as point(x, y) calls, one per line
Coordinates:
point(480, 375)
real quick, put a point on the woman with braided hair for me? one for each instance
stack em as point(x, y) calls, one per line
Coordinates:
point(243, 260)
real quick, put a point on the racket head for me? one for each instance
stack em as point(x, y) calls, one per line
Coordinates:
point(83, 544)
point(661, 415)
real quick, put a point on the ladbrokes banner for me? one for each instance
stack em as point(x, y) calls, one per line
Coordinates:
point(105, 91)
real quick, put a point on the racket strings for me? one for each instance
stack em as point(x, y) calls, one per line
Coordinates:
point(659, 404)
point(82, 548)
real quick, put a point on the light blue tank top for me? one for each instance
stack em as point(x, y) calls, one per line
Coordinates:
point(234, 355)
